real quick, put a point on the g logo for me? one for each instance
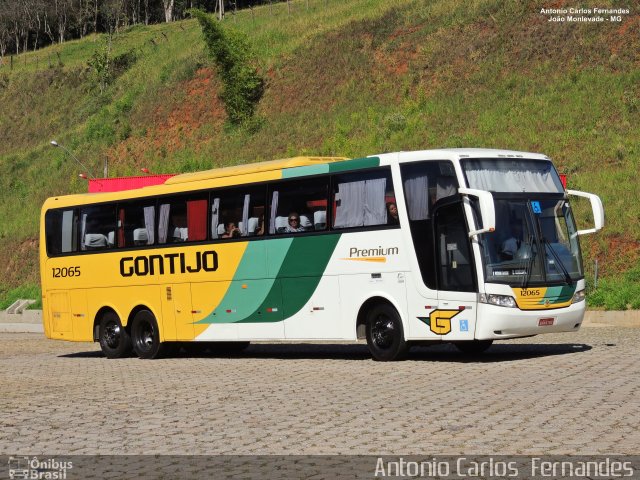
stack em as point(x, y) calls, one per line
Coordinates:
point(440, 321)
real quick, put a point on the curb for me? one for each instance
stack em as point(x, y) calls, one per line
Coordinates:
point(21, 328)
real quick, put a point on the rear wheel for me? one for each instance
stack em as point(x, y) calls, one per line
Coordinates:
point(385, 336)
point(114, 339)
point(473, 347)
point(146, 336)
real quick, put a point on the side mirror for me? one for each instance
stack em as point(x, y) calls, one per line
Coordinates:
point(487, 209)
point(596, 207)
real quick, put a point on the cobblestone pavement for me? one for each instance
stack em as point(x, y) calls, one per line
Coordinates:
point(573, 393)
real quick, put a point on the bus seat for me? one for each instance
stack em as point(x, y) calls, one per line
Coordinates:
point(281, 224)
point(305, 222)
point(253, 226)
point(221, 229)
point(111, 238)
point(95, 240)
point(180, 234)
point(140, 236)
point(320, 219)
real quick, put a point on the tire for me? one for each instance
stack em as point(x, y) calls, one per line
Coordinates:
point(473, 347)
point(385, 336)
point(145, 336)
point(114, 339)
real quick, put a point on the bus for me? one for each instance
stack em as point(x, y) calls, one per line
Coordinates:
point(465, 246)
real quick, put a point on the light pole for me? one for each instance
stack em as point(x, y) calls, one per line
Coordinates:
point(58, 145)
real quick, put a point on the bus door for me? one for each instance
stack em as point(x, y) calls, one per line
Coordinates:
point(457, 291)
point(177, 318)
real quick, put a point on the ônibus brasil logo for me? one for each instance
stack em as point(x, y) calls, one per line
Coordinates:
point(24, 467)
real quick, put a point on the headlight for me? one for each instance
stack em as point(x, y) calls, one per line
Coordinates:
point(500, 300)
point(578, 296)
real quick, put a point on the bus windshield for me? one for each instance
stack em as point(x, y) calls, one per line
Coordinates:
point(535, 242)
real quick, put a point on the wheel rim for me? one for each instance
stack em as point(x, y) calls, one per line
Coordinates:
point(112, 335)
point(383, 331)
point(145, 336)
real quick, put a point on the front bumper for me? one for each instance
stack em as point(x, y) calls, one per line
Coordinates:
point(495, 322)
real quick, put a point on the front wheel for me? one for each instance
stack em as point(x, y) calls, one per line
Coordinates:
point(385, 336)
point(473, 347)
point(114, 339)
point(145, 335)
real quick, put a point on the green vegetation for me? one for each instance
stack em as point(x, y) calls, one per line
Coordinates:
point(27, 291)
point(242, 86)
point(344, 78)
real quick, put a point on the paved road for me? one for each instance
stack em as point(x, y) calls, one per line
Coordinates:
point(569, 393)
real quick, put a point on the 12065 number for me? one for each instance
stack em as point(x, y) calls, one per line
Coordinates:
point(65, 272)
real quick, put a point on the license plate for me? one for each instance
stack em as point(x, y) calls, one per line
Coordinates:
point(545, 322)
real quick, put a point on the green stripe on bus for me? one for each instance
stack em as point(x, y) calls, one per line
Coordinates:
point(302, 270)
point(249, 288)
point(558, 294)
point(304, 171)
point(355, 164)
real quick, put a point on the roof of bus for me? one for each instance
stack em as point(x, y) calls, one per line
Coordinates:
point(251, 168)
point(464, 153)
point(273, 165)
point(186, 178)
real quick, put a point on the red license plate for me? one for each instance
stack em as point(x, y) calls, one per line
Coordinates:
point(545, 322)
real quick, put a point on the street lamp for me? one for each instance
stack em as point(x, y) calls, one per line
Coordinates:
point(58, 145)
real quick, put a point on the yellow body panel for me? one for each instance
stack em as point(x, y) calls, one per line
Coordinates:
point(122, 280)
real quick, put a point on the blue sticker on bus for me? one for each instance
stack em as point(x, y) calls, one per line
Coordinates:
point(536, 207)
point(464, 325)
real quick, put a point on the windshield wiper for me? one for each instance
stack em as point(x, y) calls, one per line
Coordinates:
point(567, 276)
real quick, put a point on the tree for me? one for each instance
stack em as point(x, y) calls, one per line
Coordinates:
point(168, 10)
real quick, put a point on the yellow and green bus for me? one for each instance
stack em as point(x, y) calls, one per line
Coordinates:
point(465, 246)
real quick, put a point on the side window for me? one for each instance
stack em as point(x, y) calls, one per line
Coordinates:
point(97, 227)
point(182, 219)
point(424, 184)
point(363, 199)
point(61, 231)
point(136, 224)
point(299, 206)
point(237, 212)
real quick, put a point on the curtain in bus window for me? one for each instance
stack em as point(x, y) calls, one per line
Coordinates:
point(445, 187)
point(274, 211)
point(163, 223)
point(67, 231)
point(497, 177)
point(245, 216)
point(197, 219)
point(350, 204)
point(150, 223)
point(416, 189)
point(83, 231)
point(215, 217)
point(120, 227)
point(375, 209)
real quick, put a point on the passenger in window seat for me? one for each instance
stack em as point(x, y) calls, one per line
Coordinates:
point(294, 223)
point(392, 214)
point(231, 231)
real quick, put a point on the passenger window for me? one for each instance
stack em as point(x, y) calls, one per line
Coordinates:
point(299, 206)
point(61, 231)
point(237, 212)
point(97, 227)
point(182, 219)
point(364, 199)
point(136, 224)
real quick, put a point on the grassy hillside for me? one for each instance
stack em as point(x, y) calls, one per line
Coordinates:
point(346, 78)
